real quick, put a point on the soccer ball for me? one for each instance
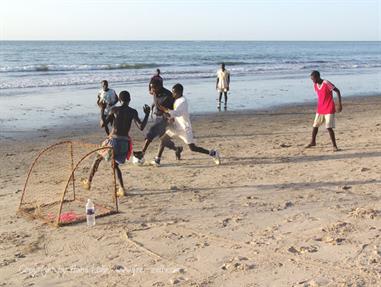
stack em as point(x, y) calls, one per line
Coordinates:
point(137, 161)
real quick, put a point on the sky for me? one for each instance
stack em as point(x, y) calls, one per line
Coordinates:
point(262, 20)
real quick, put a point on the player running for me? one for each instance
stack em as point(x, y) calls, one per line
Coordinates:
point(119, 138)
point(180, 126)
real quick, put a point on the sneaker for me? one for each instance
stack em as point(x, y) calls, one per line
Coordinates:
point(178, 152)
point(85, 184)
point(216, 157)
point(156, 162)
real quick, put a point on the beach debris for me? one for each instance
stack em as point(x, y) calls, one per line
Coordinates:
point(346, 187)
point(225, 222)
point(236, 264)
point(19, 255)
point(363, 169)
point(293, 250)
point(283, 145)
point(288, 204)
point(6, 262)
point(179, 270)
point(303, 249)
point(173, 188)
point(360, 212)
point(118, 268)
point(174, 281)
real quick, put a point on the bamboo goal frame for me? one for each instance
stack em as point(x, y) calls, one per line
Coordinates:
point(101, 210)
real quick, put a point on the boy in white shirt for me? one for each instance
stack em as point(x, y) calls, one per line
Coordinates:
point(106, 100)
point(181, 127)
point(222, 85)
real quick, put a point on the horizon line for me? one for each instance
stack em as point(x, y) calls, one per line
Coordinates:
point(171, 40)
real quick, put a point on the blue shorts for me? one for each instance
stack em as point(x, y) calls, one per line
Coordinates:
point(121, 147)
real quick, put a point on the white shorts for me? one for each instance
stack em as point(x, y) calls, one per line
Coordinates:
point(222, 90)
point(328, 119)
point(185, 136)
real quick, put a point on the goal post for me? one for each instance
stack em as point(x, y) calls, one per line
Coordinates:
point(53, 192)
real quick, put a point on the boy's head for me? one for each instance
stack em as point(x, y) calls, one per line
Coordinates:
point(177, 91)
point(223, 66)
point(156, 86)
point(124, 97)
point(104, 85)
point(157, 72)
point(315, 76)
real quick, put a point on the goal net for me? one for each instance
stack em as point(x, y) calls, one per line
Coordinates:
point(53, 190)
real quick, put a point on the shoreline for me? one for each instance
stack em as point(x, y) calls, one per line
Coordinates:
point(92, 122)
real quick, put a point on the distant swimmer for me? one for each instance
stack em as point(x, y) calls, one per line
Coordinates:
point(180, 126)
point(107, 98)
point(222, 85)
point(325, 112)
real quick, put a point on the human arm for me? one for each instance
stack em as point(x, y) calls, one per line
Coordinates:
point(339, 106)
point(142, 124)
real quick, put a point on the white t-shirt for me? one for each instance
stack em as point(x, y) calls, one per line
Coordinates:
point(223, 79)
point(108, 97)
point(182, 126)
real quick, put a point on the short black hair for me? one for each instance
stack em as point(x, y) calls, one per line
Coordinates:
point(124, 96)
point(178, 88)
point(315, 73)
point(104, 82)
point(156, 83)
point(158, 71)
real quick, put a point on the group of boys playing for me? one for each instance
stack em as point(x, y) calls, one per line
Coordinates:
point(172, 120)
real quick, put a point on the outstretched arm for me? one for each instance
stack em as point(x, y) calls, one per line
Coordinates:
point(339, 106)
point(142, 124)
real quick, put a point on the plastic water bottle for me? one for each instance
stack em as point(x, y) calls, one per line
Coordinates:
point(90, 213)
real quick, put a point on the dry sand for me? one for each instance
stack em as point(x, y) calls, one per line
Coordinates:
point(273, 214)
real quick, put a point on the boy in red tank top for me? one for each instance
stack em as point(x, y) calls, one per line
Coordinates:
point(325, 112)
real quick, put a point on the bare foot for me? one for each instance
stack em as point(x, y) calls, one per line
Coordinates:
point(121, 192)
point(335, 149)
point(85, 184)
point(310, 145)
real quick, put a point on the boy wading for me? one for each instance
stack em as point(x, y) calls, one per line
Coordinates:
point(325, 113)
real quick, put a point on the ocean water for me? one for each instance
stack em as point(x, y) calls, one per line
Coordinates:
point(54, 64)
point(39, 75)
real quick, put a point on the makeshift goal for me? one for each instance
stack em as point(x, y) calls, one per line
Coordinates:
point(53, 191)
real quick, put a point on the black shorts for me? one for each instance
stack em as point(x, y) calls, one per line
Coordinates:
point(157, 129)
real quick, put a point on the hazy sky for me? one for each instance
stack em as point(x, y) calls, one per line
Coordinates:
point(190, 20)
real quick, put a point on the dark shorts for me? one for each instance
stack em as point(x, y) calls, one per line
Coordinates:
point(121, 147)
point(157, 129)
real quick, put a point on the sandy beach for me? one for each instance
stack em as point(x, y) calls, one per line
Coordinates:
point(273, 214)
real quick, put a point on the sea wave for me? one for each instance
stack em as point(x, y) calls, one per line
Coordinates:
point(78, 67)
